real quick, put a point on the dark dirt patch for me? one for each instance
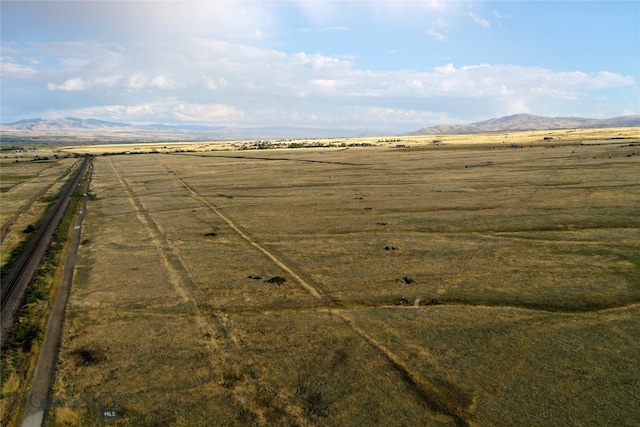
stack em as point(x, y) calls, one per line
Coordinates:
point(89, 355)
point(277, 280)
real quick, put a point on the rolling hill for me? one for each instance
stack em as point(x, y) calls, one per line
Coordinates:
point(525, 122)
point(70, 129)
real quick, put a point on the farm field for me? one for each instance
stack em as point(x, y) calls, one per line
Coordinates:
point(438, 286)
point(27, 187)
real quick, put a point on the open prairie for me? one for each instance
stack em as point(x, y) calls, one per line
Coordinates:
point(496, 139)
point(472, 285)
point(26, 188)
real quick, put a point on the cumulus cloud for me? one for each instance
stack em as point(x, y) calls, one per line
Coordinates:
point(246, 79)
point(162, 111)
point(79, 84)
point(74, 84)
point(137, 81)
point(319, 62)
point(163, 82)
point(225, 62)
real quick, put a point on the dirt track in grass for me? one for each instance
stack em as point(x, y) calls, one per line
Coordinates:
point(522, 306)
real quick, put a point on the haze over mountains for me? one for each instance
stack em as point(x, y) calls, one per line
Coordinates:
point(74, 128)
point(98, 130)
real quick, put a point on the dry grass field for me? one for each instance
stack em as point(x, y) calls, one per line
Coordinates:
point(475, 285)
point(495, 139)
point(26, 188)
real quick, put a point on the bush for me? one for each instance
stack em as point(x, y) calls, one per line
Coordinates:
point(26, 333)
point(89, 355)
point(277, 280)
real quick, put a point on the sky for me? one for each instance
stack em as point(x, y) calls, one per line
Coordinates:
point(385, 66)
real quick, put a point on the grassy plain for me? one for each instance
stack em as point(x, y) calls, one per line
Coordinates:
point(27, 187)
point(497, 139)
point(438, 285)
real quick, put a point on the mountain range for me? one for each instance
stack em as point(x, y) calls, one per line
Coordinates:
point(74, 129)
point(528, 122)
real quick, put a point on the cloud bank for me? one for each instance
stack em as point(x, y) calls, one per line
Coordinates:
point(197, 65)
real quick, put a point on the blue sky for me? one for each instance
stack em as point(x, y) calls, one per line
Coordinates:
point(378, 66)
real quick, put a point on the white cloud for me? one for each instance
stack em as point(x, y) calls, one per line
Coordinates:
point(163, 82)
point(79, 84)
point(447, 69)
point(109, 81)
point(320, 62)
point(214, 78)
point(74, 84)
point(435, 29)
point(378, 115)
point(210, 84)
point(162, 111)
point(329, 84)
point(322, 30)
point(10, 69)
point(137, 81)
point(500, 15)
point(207, 113)
point(256, 77)
point(479, 20)
point(436, 35)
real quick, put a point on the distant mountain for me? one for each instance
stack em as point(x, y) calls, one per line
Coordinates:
point(524, 122)
point(74, 129)
point(70, 129)
point(68, 123)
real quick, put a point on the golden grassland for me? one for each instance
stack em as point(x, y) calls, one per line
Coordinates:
point(27, 189)
point(498, 139)
point(477, 285)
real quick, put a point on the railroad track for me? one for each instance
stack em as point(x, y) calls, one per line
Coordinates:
point(16, 281)
point(5, 227)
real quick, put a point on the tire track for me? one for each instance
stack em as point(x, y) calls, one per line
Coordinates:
point(437, 394)
point(527, 199)
point(184, 286)
point(188, 291)
point(246, 236)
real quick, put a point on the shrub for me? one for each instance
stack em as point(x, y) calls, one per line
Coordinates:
point(277, 280)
